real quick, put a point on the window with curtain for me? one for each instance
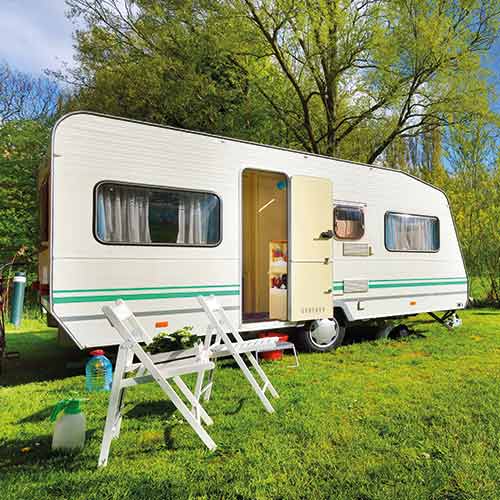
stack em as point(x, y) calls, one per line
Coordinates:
point(349, 222)
point(143, 215)
point(411, 233)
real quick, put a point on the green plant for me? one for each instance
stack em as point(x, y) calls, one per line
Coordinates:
point(180, 339)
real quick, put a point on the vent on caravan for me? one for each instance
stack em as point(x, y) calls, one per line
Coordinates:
point(356, 249)
point(355, 286)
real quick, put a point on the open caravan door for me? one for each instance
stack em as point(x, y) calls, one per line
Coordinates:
point(310, 250)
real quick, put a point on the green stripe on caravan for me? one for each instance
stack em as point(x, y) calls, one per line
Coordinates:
point(197, 287)
point(227, 290)
point(428, 283)
point(408, 283)
point(185, 287)
point(140, 296)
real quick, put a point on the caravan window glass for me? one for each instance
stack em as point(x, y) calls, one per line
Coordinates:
point(411, 233)
point(143, 215)
point(349, 222)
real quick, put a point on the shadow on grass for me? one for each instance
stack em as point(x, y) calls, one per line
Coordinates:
point(144, 410)
point(418, 332)
point(239, 405)
point(41, 358)
point(36, 451)
point(168, 439)
point(39, 416)
point(361, 334)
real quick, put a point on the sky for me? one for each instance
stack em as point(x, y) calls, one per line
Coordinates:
point(493, 62)
point(35, 34)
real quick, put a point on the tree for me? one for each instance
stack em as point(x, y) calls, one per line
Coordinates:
point(472, 153)
point(27, 107)
point(382, 69)
point(327, 76)
point(161, 61)
point(23, 144)
point(24, 97)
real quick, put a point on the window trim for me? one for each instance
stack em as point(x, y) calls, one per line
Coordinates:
point(337, 237)
point(157, 187)
point(390, 212)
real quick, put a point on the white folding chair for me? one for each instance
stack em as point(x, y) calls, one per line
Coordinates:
point(223, 346)
point(151, 368)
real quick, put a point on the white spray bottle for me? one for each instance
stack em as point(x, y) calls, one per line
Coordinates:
point(69, 431)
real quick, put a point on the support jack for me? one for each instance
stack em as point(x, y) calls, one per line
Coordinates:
point(449, 319)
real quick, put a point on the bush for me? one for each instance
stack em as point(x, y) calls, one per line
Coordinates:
point(180, 339)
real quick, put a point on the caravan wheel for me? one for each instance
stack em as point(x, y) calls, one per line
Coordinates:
point(321, 335)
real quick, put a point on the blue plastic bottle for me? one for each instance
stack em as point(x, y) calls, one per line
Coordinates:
point(98, 372)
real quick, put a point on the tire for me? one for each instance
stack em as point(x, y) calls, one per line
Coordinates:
point(320, 335)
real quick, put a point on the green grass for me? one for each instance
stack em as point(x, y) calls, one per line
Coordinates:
point(412, 419)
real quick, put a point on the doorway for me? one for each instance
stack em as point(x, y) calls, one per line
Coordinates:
point(265, 245)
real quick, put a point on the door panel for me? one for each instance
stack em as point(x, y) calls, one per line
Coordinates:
point(311, 291)
point(310, 259)
point(311, 214)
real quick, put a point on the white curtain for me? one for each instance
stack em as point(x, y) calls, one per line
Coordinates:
point(196, 218)
point(411, 233)
point(123, 214)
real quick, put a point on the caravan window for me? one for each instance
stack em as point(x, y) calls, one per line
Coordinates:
point(411, 233)
point(349, 222)
point(142, 215)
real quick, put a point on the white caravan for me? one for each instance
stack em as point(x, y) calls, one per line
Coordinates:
point(157, 216)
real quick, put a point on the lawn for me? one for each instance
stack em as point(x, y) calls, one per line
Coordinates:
point(410, 419)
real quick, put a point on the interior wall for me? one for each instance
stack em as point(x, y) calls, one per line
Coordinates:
point(261, 224)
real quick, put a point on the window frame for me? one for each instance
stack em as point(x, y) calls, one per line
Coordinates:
point(361, 208)
point(158, 188)
point(435, 217)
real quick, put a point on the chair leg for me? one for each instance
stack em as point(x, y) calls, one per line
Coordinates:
point(118, 422)
point(262, 375)
point(113, 416)
point(208, 392)
point(221, 332)
point(255, 386)
point(198, 410)
point(179, 404)
point(199, 385)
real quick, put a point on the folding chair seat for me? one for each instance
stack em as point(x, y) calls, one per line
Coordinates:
point(251, 345)
point(223, 346)
point(184, 366)
point(162, 369)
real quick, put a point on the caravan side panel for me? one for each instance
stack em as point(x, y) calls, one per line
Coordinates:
point(158, 282)
point(161, 282)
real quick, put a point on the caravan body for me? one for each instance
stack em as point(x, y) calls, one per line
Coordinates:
point(157, 216)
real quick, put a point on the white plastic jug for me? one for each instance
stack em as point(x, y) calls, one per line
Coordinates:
point(69, 431)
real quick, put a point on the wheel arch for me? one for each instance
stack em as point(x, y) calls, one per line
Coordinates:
point(341, 314)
